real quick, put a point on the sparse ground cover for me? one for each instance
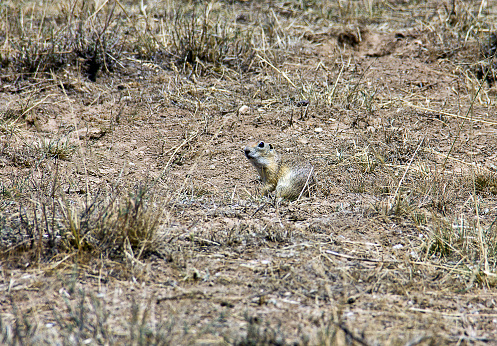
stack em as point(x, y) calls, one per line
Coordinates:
point(129, 214)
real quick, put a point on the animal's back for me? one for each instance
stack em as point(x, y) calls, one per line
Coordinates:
point(289, 179)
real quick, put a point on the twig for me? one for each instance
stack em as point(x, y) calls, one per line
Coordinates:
point(350, 334)
point(83, 154)
point(306, 183)
point(33, 106)
point(405, 173)
point(194, 166)
point(259, 209)
point(359, 258)
point(360, 79)
point(186, 141)
point(277, 70)
point(332, 94)
point(98, 9)
point(472, 164)
point(484, 121)
point(211, 242)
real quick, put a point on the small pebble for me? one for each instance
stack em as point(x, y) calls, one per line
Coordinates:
point(318, 129)
point(244, 109)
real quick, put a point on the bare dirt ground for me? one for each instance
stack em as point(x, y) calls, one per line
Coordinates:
point(129, 214)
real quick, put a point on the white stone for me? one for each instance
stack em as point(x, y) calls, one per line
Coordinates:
point(244, 109)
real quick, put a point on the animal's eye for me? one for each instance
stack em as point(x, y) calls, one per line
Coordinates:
point(261, 145)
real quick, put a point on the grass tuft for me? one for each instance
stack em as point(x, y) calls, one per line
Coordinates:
point(115, 225)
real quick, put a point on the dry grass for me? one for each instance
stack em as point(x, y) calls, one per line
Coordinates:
point(127, 215)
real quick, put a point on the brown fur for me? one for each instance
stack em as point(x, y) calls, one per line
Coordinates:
point(288, 180)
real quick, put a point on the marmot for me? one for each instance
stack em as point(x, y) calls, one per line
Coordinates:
point(290, 180)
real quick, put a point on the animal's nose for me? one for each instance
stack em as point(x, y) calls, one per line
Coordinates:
point(247, 152)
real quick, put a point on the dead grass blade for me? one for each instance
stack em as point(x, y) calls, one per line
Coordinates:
point(396, 194)
point(464, 118)
point(277, 70)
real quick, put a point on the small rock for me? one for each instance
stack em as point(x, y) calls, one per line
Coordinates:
point(91, 133)
point(105, 171)
point(318, 129)
point(212, 166)
point(303, 140)
point(244, 109)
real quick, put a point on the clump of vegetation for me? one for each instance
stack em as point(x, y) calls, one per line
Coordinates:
point(201, 36)
point(95, 40)
point(486, 182)
point(113, 225)
point(58, 148)
point(80, 36)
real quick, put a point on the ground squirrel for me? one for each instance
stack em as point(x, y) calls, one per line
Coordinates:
point(289, 179)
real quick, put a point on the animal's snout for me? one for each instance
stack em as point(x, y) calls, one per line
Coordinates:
point(247, 153)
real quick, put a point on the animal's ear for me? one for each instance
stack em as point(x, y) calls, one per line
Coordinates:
point(270, 147)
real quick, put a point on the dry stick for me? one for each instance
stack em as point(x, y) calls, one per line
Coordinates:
point(480, 235)
point(351, 335)
point(359, 258)
point(306, 183)
point(194, 166)
point(472, 164)
point(277, 70)
point(373, 260)
point(360, 79)
point(98, 9)
point(33, 106)
point(131, 22)
point(464, 119)
point(483, 249)
point(332, 94)
point(484, 121)
point(143, 10)
point(405, 173)
point(186, 141)
point(442, 281)
point(79, 142)
point(55, 265)
point(259, 209)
